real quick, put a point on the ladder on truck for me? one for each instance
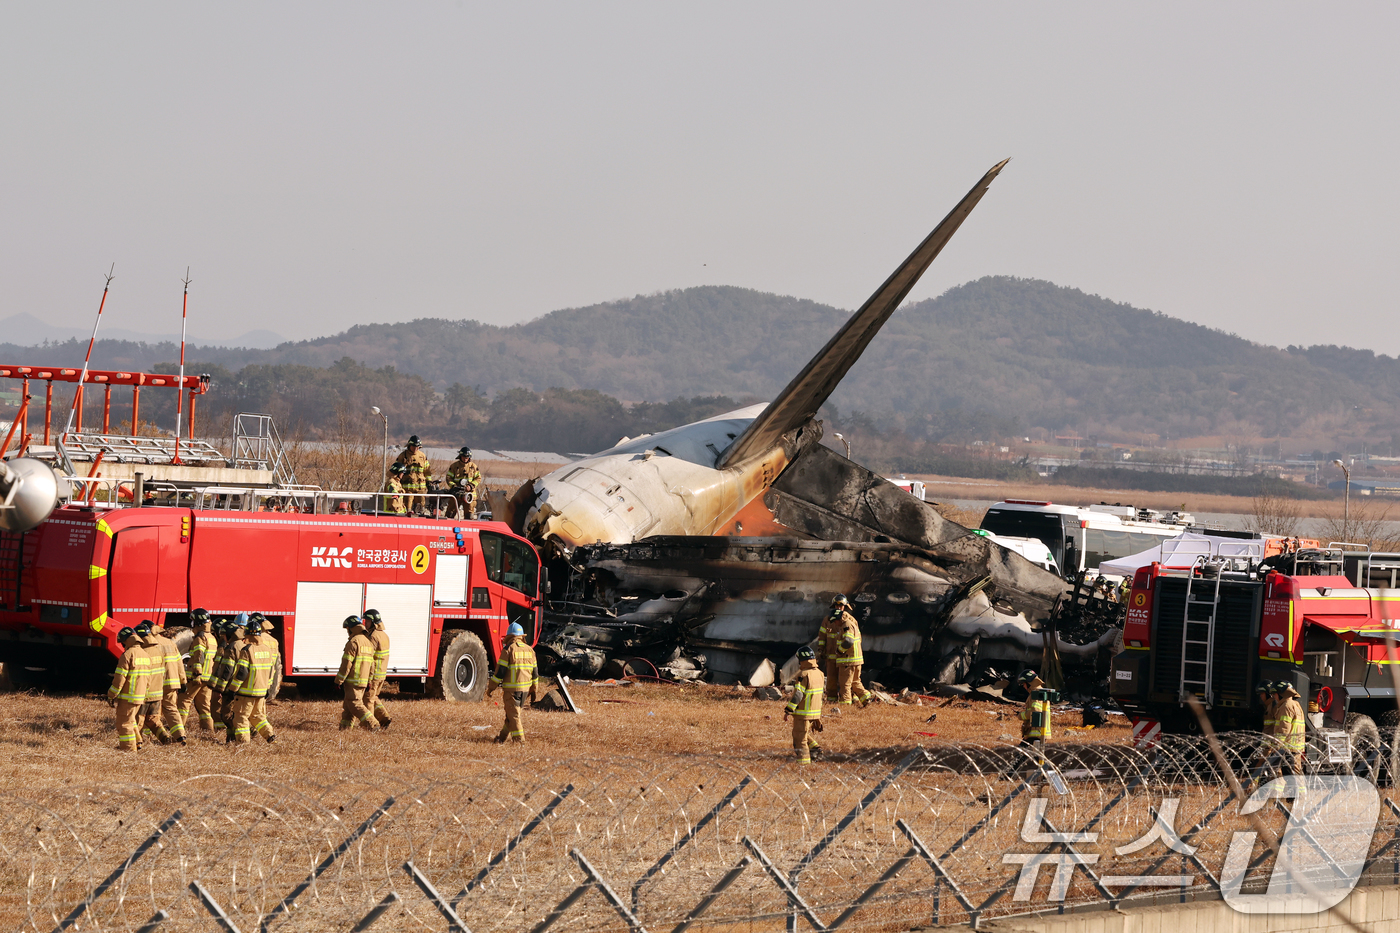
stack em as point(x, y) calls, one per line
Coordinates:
point(1198, 634)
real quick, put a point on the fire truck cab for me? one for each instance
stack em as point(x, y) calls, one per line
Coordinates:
point(1312, 617)
point(447, 590)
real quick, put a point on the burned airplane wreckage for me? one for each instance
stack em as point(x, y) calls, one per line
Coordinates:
point(729, 537)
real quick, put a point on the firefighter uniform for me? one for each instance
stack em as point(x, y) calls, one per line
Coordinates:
point(199, 669)
point(356, 669)
point(1036, 727)
point(128, 690)
point(416, 473)
point(463, 481)
point(833, 626)
point(252, 676)
point(152, 727)
point(174, 683)
point(848, 663)
point(805, 707)
point(380, 639)
point(393, 490)
point(1290, 729)
point(515, 675)
point(223, 673)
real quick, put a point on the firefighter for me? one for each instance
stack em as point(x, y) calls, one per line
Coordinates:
point(392, 501)
point(416, 474)
point(828, 635)
point(463, 480)
point(805, 707)
point(235, 631)
point(128, 691)
point(174, 683)
point(1035, 714)
point(374, 628)
point(515, 673)
point(150, 718)
point(1289, 727)
point(252, 676)
point(199, 668)
point(356, 670)
point(849, 659)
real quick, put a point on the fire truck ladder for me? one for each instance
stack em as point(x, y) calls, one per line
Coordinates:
point(1198, 634)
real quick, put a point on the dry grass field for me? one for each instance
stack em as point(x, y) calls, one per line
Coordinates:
point(61, 739)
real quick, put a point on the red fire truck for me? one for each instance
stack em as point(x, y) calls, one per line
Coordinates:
point(447, 589)
point(1318, 618)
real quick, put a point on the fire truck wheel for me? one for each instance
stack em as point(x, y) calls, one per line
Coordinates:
point(1365, 746)
point(462, 670)
point(1390, 748)
point(17, 677)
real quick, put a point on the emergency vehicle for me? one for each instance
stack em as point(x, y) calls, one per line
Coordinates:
point(1318, 618)
point(447, 590)
point(1082, 538)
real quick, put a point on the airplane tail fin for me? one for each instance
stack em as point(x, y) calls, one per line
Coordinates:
point(810, 389)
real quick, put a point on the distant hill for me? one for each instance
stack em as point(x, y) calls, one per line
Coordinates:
point(1000, 355)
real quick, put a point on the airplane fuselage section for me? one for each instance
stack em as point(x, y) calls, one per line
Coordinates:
point(660, 484)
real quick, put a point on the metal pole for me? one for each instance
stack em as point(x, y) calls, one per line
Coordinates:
point(77, 396)
point(180, 389)
point(384, 471)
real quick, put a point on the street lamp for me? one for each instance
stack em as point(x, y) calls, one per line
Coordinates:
point(384, 474)
point(842, 439)
point(1346, 502)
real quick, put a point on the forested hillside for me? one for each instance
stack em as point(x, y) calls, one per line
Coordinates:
point(991, 358)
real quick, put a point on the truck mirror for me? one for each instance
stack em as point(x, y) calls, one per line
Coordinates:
point(544, 580)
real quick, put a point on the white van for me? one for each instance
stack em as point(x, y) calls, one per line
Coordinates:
point(1032, 549)
point(1082, 538)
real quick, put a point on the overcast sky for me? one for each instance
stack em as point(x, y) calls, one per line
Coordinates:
point(323, 165)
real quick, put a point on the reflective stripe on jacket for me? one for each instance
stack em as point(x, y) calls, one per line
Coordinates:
point(1035, 719)
point(380, 640)
point(1290, 729)
point(516, 669)
point(155, 659)
point(806, 702)
point(200, 663)
point(357, 663)
point(174, 665)
point(847, 650)
point(253, 673)
point(129, 679)
point(224, 662)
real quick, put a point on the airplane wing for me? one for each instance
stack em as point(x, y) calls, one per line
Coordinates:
point(806, 393)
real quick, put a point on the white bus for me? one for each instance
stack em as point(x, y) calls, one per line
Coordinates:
point(1081, 538)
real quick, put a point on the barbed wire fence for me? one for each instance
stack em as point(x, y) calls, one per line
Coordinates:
point(886, 841)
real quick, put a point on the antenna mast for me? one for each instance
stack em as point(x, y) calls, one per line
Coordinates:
point(180, 391)
point(78, 392)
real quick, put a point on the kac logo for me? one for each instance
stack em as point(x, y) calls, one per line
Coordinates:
point(330, 557)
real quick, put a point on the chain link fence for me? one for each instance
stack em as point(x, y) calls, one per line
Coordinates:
point(892, 841)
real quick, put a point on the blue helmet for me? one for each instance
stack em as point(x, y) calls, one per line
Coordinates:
point(516, 629)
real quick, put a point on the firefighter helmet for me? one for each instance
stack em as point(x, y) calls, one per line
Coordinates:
point(413, 440)
point(396, 468)
point(1286, 689)
point(1265, 687)
point(351, 621)
point(465, 452)
point(840, 600)
point(199, 616)
point(516, 629)
point(372, 617)
point(255, 623)
point(1027, 676)
point(144, 628)
point(125, 633)
point(805, 654)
